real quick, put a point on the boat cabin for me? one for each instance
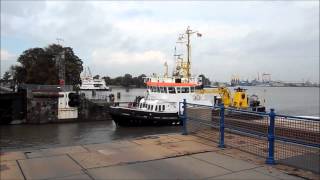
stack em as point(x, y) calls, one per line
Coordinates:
point(156, 105)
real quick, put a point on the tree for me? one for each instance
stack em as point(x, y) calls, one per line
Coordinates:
point(38, 66)
point(140, 81)
point(127, 80)
point(6, 76)
point(96, 77)
point(107, 80)
point(205, 81)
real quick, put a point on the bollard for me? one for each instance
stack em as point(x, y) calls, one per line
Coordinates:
point(221, 135)
point(270, 158)
point(184, 118)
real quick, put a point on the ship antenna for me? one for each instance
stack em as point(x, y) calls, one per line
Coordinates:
point(188, 32)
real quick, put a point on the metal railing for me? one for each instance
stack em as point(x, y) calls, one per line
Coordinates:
point(289, 140)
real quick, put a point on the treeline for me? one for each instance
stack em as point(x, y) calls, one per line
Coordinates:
point(127, 80)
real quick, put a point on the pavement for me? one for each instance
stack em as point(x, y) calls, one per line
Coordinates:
point(171, 156)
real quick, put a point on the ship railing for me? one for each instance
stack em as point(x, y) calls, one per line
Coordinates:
point(283, 139)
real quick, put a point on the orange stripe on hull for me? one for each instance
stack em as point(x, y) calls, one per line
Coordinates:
point(169, 84)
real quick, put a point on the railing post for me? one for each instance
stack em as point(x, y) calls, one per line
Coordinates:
point(184, 117)
point(221, 135)
point(271, 133)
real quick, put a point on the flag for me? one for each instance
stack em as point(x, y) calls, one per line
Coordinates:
point(199, 35)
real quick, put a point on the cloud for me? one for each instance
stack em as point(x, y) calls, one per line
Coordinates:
point(122, 58)
point(114, 38)
point(6, 55)
point(129, 62)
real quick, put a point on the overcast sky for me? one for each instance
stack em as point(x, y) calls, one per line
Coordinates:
point(113, 38)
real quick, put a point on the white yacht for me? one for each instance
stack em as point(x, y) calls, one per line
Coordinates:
point(89, 83)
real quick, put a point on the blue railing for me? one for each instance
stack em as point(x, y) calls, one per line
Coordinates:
point(284, 129)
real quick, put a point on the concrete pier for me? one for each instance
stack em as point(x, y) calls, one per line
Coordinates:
point(170, 156)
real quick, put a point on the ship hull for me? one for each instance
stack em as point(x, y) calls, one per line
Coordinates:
point(133, 117)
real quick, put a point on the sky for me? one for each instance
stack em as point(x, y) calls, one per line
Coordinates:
point(240, 38)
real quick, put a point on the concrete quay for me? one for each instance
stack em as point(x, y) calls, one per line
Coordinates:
point(170, 156)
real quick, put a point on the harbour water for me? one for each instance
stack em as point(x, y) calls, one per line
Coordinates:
point(302, 101)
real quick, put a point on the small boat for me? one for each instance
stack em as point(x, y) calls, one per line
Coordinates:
point(161, 103)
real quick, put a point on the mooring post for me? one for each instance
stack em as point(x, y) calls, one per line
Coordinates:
point(270, 158)
point(221, 135)
point(184, 117)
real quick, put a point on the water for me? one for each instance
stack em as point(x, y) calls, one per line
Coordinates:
point(29, 137)
point(286, 100)
point(296, 101)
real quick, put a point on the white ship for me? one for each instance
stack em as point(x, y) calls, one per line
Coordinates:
point(161, 103)
point(90, 83)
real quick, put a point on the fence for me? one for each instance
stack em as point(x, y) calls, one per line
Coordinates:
point(289, 140)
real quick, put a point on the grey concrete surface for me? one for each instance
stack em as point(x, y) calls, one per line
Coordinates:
point(224, 161)
point(166, 157)
point(49, 167)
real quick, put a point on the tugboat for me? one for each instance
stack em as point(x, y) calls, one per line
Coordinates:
point(161, 103)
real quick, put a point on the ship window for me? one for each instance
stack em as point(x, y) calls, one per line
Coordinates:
point(154, 89)
point(151, 108)
point(178, 90)
point(162, 89)
point(158, 89)
point(185, 90)
point(148, 106)
point(192, 89)
point(159, 107)
point(144, 105)
point(163, 107)
point(165, 90)
point(156, 108)
point(171, 90)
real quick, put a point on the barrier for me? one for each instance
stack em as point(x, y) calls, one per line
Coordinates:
point(289, 140)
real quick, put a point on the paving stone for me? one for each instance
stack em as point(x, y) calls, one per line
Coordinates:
point(186, 167)
point(246, 175)
point(94, 159)
point(208, 143)
point(108, 151)
point(49, 167)
point(142, 153)
point(148, 152)
point(81, 176)
point(187, 147)
point(117, 144)
point(133, 171)
point(11, 156)
point(183, 137)
point(276, 173)
point(238, 154)
point(224, 161)
point(55, 151)
point(10, 170)
point(155, 140)
point(173, 168)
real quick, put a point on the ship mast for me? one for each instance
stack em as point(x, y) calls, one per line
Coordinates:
point(187, 67)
